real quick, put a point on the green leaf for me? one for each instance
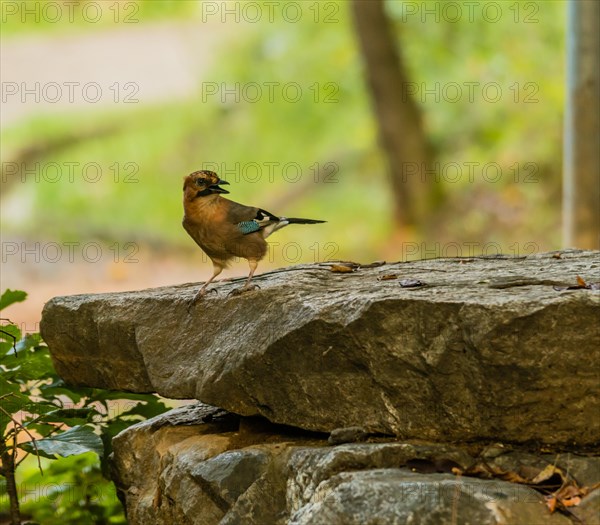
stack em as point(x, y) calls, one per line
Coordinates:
point(11, 404)
point(57, 388)
point(32, 365)
point(70, 416)
point(37, 412)
point(8, 332)
point(77, 440)
point(11, 296)
point(42, 429)
point(39, 407)
point(114, 427)
point(7, 386)
point(28, 342)
point(15, 402)
point(67, 468)
point(146, 409)
point(101, 395)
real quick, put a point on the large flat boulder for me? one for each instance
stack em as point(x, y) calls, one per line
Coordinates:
point(488, 348)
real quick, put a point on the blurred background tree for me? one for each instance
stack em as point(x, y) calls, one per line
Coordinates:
point(581, 177)
point(399, 118)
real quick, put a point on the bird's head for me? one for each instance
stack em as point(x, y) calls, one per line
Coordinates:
point(204, 182)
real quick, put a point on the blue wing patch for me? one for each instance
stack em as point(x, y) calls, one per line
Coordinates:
point(248, 227)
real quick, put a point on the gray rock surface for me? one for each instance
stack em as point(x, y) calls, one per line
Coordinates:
point(588, 511)
point(210, 473)
point(488, 349)
point(396, 497)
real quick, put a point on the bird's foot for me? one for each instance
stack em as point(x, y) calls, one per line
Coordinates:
point(201, 293)
point(243, 289)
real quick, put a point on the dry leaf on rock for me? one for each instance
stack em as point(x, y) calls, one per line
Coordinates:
point(581, 285)
point(559, 488)
point(375, 264)
point(342, 268)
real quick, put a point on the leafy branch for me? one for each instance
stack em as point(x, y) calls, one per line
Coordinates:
point(43, 416)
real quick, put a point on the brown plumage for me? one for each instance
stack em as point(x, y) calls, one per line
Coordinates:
point(225, 229)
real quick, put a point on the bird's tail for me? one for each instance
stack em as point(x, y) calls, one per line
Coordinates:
point(294, 220)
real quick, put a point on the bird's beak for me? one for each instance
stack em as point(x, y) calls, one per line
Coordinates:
point(216, 189)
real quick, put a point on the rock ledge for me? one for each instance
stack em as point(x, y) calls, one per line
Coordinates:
point(488, 349)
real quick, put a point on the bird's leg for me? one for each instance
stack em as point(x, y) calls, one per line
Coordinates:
point(217, 269)
point(246, 288)
point(253, 265)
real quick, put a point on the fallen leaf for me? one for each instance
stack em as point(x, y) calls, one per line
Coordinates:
point(373, 264)
point(551, 503)
point(569, 492)
point(559, 489)
point(512, 477)
point(581, 285)
point(479, 470)
point(547, 473)
point(342, 268)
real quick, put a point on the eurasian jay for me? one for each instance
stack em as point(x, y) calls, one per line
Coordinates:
point(225, 229)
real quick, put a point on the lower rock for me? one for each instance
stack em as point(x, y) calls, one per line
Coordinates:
point(198, 465)
point(396, 497)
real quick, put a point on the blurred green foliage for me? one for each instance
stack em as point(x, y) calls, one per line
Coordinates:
point(24, 17)
point(521, 133)
point(71, 491)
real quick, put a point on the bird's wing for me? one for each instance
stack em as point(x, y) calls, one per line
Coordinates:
point(249, 219)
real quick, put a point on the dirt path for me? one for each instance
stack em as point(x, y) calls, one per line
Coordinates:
point(116, 67)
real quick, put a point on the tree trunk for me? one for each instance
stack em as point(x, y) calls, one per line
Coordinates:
point(581, 170)
point(398, 116)
point(8, 471)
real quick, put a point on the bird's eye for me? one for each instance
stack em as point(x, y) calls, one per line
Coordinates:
point(200, 181)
